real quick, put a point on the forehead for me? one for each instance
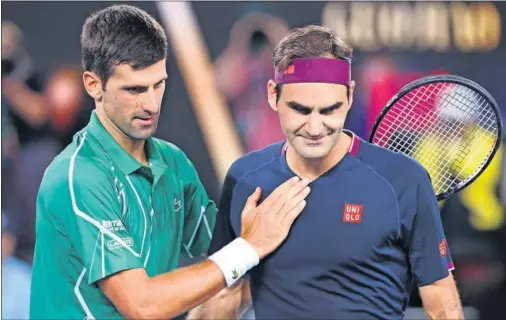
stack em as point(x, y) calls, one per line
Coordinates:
point(147, 76)
point(314, 94)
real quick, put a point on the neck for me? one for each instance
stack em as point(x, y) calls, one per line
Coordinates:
point(313, 168)
point(134, 147)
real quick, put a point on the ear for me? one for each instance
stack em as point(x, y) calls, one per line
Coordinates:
point(93, 85)
point(271, 95)
point(352, 89)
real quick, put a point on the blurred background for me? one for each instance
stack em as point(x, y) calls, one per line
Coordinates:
point(215, 105)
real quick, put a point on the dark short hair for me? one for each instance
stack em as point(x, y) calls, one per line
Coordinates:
point(307, 42)
point(121, 34)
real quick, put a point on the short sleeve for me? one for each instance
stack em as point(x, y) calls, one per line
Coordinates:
point(94, 223)
point(223, 233)
point(200, 213)
point(428, 251)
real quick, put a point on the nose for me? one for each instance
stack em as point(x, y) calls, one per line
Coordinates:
point(314, 125)
point(150, 102)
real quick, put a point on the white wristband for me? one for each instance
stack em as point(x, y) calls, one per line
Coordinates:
point(235, 259)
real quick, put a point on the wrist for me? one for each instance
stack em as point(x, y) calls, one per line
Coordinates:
point(235, 259)
point(261, 254)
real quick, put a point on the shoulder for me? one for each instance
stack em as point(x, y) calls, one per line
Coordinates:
point(167, 148)
point(391, 165)
point(76, 166)
point(172, 154)
point(254, 160)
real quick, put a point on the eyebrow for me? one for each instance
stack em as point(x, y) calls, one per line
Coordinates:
point(141, 86)
point(296, 105)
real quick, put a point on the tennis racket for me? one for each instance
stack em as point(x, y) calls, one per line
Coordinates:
point(450, 124)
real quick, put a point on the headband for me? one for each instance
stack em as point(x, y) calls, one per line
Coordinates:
point(326, 70)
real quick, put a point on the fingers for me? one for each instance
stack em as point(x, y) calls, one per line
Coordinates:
point(291, 215)
point(296, 189)
point(295, 200)
point(288, 196)
point(267, 225)
point(294, 207)
point(286, 185)
point(280, 190)
point(251, 203)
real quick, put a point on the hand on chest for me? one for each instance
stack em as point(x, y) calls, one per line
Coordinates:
point(341, 221)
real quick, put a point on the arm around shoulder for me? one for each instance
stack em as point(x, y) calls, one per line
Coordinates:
point(83, 195)
point(173, 293)
point(165, 296)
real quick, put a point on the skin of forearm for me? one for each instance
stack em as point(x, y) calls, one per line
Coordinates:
point(445, 305)
point(449, 309)
point(227, 304)
point(171, 294)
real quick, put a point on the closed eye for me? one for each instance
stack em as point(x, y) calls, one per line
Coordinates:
point(136, 90)
point(305, 110)
point(302, 110)
point(159, 84)
point(299, 108)
point(331, 109)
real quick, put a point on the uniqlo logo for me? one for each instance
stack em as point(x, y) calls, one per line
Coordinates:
point(352, 213)
point(443, 248)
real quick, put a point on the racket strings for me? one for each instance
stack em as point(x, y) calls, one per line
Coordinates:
point(439, 168)
point(464, 155)
point(449, 132)
point(447, 127)
point(408, 116)
point(427, 154)
point(465, 150)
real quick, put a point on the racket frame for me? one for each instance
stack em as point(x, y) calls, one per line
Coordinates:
point(460, 81)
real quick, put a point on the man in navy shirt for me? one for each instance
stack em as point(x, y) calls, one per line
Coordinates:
point(371, 228)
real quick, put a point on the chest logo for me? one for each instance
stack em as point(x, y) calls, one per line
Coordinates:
point(352, 213)
point(177, 204)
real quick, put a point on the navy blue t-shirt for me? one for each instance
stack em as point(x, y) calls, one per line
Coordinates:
point(371, 230)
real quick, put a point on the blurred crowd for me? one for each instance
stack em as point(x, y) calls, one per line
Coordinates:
point(41, 113)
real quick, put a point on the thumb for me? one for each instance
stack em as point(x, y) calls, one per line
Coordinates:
point(253, 199)
point(251, 203)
